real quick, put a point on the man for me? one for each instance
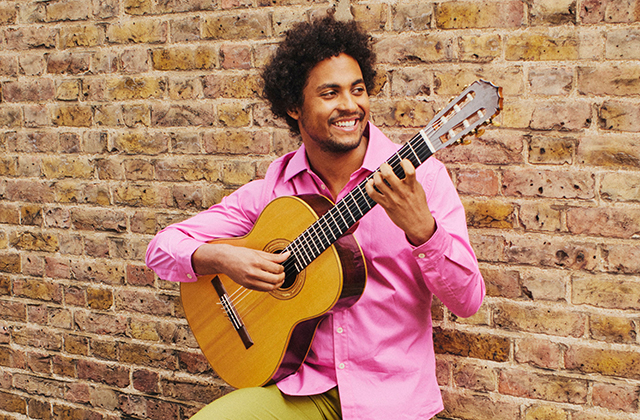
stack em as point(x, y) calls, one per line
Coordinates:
point(374, 360)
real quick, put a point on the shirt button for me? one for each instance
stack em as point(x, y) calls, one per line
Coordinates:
point(421, 255)
point(323, 187)
point(341, 366)
point(340, 330)
point(189, 276)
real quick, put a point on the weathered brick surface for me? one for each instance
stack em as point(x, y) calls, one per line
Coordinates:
point(118, 118)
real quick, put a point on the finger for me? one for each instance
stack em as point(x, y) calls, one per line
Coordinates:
point(408, 168)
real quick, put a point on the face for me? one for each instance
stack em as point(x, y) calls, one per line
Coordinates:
point(335, 110)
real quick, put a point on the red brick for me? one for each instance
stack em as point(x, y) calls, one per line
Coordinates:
point(28, 91)
point(96, 323)
point(478, 406)
point(557, 253)
point(548, 183)
point(143, 302)
point(616, 397)
point(535, 319)
point(520, 383)
point(539, 353)
point(607, 222)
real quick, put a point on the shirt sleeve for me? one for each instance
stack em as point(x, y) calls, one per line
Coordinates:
point(169, 252)
point(447, 261)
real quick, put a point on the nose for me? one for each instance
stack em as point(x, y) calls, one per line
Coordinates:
point(348, 102)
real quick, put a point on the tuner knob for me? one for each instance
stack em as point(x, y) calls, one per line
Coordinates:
point(479, 132)
point(495, 123)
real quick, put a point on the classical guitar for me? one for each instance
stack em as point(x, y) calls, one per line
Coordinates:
point(250, 337)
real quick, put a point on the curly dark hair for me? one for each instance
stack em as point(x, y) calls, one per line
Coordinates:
point(304, 46)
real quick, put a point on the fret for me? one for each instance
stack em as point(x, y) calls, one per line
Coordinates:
point(355, 202)
point(414, 154)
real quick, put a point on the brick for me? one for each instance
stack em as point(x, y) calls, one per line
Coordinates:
point(180, 58)
point(612, 329)
point(96, 247)
point(142, 196)
point(545, 412)
point(68, 63)
point(187, 29)
point(539, 353)
point(550, 81)
point(235, 86)
point(114, 375)
point(69, 143)
point(188, 197)
point(482, 48)
point(35, 241)
point(489, 213)
point(545, 285)
point(619, 116)
point(551, 252)
point(173, 6)
point(548, 183)
point(190, 88)
point(623, 44)
point(68, 10)
point(608, 362)
point(240, 26)
point(32, 37)
point(619, 186)
point(40, 409)
point(97, 298)
point(235, 115)
point(495, 147)
point(609, 151)
point(540, 217)
point(38, 338)
point(81, 36)
point(465, 344)
point(551, 150)
point(73, 116)
point(134, 61)
point(138, 115)
point(193, 362)
point(143, 330)
point(95, 323)
point(137, 32)
point(519, 317)
point(105, 9)
point(68, 90)
point(189, 169)
point(8, 14)
point(94, 142)
point(412, 16)
point(67, 167)
point(146, 381)
point(135, 143)
point(30, 91)
point(548, 12)
point(88, 219)
point(29, 191)
point(555, 388)
point(193, 391)
point(9, 65)
point(137, 7)
point(402, 113)
point(561, 116)
point(616, 397)
point(139, 275)
point(411, 82)
point(371, 17)
point(13, 403)
point(411, 49)
point(32, 142)
point(71, 191)
point(237, 172)
point(150, 356)
point(138, 169)
point(606, 222)
point(108, 115)
point(451, 83)
point(460, 15)
point(135, 88)
point(9, 166)
point(195, 114)
point(9, 214)
point(541, 46)
point(605, 291)
point(104, 62)
point(621, 258)
point(615, 80)
point(476, 377)
point(469, 406)
point(478, 182)
point(39, 363)
point(235, 57)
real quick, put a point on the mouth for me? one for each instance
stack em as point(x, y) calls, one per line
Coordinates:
point(349, 124)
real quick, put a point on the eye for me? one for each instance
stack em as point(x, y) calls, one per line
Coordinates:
point(328, 94)
point(359, 90)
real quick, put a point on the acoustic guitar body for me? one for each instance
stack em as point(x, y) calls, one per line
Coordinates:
point(278, 327)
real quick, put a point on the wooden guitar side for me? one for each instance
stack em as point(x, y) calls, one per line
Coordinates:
point(282, 323)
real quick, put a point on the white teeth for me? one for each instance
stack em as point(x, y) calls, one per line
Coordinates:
point(346, 123)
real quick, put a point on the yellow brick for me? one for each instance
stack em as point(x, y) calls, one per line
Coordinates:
point(142, 31)
point(201, 58)
point(458, 15)
point(135, 88)
point(540, 46)
point(73, 116)
point(234, 115)
point(80, 36)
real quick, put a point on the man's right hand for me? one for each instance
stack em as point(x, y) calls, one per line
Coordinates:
point(250, 268)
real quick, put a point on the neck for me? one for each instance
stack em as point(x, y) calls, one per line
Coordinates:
point(335, 169)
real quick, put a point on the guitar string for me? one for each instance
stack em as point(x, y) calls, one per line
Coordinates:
point(361, 203)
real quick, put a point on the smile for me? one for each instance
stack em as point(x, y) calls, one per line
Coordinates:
point(346, 124)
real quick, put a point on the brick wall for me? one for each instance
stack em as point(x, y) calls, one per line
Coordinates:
point(119, 117)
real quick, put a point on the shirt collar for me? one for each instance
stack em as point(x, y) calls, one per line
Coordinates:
point(379, 149)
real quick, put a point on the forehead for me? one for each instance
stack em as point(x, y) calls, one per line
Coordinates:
point(338, 70)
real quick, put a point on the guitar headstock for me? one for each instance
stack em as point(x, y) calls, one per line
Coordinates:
point(470, 110)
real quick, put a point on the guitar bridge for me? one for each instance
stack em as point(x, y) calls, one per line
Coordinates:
point(231, 312)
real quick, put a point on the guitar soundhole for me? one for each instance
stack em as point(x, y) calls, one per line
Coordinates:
point(293, 282)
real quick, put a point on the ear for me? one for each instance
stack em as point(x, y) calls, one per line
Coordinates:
point(294, 113)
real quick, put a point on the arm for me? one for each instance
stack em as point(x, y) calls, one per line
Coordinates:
point(441, 242)
point(182, 251)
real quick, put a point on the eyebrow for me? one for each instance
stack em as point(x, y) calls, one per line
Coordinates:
point(336, 85)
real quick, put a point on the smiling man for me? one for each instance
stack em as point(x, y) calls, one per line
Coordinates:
point(374, 360)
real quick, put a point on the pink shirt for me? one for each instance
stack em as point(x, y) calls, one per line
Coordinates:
point(380, 351)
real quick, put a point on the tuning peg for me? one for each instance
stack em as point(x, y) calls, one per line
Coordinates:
point(479, 132)
point(495, 123)
point(465, 140)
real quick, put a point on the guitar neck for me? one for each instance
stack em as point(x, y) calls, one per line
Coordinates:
point(471, 109)
point(351, 208)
